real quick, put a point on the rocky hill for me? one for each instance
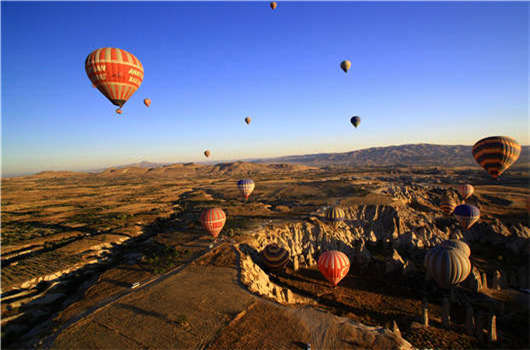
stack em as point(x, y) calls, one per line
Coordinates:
point(422, 154)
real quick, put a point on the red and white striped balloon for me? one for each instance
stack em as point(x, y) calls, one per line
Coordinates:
point(466, 191)
point(334, 265)
point(213, 220)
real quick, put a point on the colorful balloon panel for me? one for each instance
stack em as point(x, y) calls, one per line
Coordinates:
point(334, 265)
point(116, 73)
point(457, 244)
point(447, 266)
point(246, 186)
point(345, 66)
point(335, 215)
point(466, 190)
point(213, 220)
point(496, 154)
point(447, 205)
point(274, 257)
point(467, 215)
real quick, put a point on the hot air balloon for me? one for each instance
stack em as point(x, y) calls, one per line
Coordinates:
point(355, 121)
point(466, 191)
point(274, 257)
point(447, 266)
point(447, 204)
point(496, 154)
point(334, 265)
point(213, 220)
point(116, 73)
point(247, 120)
point(147, 102)
point(119, 111)
point(457, 244)
point(345, 65)
point(467, 215)
point(273, 5)
point(246, 186)
point(207, 153)
point(335, 215)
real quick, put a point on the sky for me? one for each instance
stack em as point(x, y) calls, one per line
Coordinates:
point(422, 72)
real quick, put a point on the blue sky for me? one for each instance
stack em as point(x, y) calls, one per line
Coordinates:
point(445, 73)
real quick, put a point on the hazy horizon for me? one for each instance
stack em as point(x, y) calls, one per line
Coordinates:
point(421, 72)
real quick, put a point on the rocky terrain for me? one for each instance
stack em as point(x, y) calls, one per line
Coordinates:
point(73, 242)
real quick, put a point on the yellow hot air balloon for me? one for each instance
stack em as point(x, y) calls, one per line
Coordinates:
point(496, 154)
point(273, 5)
point(345, 65)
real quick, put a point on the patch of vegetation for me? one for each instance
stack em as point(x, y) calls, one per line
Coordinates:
point(15, 232)
point(162, 258)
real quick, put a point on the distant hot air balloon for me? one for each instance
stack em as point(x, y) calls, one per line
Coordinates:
point(119, 111)
point(466, 191)
point(116, 73)
point(447, 266)
point(247, 120)
point(355, 121)
point(246, 186)
point(496, 154)
point(447, 204)
point(207, 153)
point(345, 65)
point(147, 102)
point(273, 5)
point(335, 215)
point(467, 215)
point(274, 257)
point(213, 220)
point(457, 244)
point(334, 265)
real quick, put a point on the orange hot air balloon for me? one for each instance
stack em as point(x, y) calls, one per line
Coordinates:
point(119, 111)
point(213, 220)
point(207, 153)
point(466, 191)
point(273, 5)
point(334, 265)
point(147, 102)
point(116, 73)
point(496, 154)
point(247, 120)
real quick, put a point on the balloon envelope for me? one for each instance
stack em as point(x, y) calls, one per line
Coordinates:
point(207, 153)
point(496, 154)
point(246, 186)
point(447, 266)
point(247, 120)
point(335, 215)
point(334, 265)
point(355, 121)
point(147, 102)
point(467, 215)
point(213, 220)
point(274, 257)
point(345, 65)
point(466, 190)
point(447, 204)
point(273, 5)
point(457, 244)
point(116, 73)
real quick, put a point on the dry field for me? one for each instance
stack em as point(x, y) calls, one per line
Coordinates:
point(102, 232)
